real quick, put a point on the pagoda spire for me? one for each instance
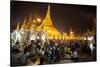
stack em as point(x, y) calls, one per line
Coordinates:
point(48, 12)
point(47, 21)
point(18, 26)
point(47, 25)
point(24, 24)
point(70, 29)
point(29, 23)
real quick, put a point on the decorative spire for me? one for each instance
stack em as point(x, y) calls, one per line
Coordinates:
point(70, 29)
point(47, 25)
point(48, 12)
point(29, 23)
point(47, 21)
point(24, 24)
point(18, 26)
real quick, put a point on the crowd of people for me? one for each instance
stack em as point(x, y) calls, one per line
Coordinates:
point(50, 52)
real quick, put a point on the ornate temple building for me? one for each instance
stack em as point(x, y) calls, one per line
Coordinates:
point(31, 29)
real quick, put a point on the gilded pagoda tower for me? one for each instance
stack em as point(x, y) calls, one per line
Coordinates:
point(48, 27)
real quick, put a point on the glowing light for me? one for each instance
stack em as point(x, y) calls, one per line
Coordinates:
point(59, 38)
point(38, 19)
point(49, 31)
point(51, 37)
point(90, 38)
point(71, 32)
point(84, 38)
point(37, 37)
point(56, 38)
point(43, 37)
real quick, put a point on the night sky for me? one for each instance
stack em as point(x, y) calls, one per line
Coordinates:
point(64, 16)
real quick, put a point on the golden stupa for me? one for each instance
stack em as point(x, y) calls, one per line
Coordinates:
point(48, 27)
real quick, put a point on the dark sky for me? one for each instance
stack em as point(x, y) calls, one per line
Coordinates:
point(64, 16)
